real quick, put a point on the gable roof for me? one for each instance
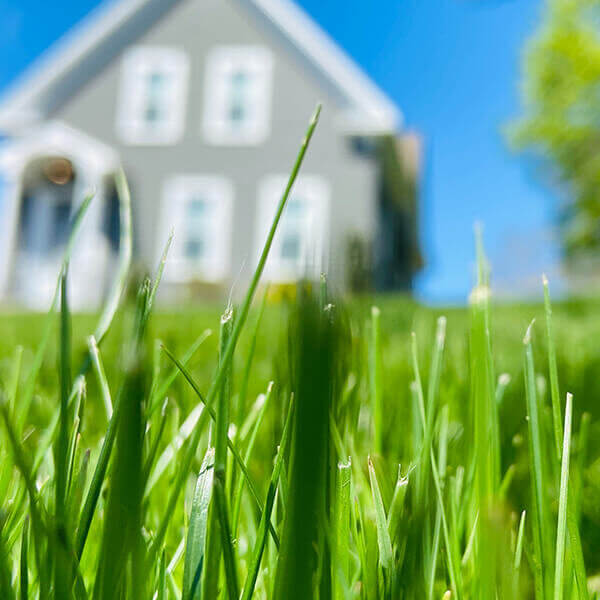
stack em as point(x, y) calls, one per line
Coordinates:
point(92, 44)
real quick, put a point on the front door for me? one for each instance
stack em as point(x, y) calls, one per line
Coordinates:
point(43, 230)
point(51, 193)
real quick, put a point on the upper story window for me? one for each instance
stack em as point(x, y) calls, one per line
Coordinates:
point(237, 95)
point(153, 95)
point(199, 210)
point(300, 245)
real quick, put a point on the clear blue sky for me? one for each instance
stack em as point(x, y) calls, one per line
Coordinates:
point(452, 66)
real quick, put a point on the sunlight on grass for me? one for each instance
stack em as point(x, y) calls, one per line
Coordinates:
point(265, 461)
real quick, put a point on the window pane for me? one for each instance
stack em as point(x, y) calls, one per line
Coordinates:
point(291, 230)
point(197, 208)
point(194, 248)
point(197, 215)
point(155, 109)
point(238, 97)
point(295, 208)
point(290, 245)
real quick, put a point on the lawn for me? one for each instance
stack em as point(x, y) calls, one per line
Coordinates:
point(576, 328)
point(366, 448)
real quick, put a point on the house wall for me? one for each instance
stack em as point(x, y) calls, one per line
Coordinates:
point(196, 26)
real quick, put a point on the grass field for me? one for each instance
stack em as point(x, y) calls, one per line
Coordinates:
point(367, 448)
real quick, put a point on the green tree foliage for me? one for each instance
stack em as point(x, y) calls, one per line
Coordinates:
point(561, 113)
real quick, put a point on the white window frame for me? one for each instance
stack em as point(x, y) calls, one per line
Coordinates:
point(177, 192)
point(131, 126)
point(220, 62)
point(316, 192)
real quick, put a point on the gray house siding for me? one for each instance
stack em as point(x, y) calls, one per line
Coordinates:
point(197, 27)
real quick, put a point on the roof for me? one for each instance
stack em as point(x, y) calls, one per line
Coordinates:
point(92, 44)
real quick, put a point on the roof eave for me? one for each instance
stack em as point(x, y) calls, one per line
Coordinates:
point(359, 123)
point(14, 121)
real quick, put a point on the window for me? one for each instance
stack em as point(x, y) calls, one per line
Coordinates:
point(199, 210)
point(153, 95)
point(300, 245)
point(237, 95)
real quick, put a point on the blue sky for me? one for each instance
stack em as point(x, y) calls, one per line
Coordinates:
point(453, 68)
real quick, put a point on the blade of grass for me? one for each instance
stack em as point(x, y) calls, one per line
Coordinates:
point(186, 462)
point(121, 550)
point(576, 549)
point(6, 589)
point(221, 443)
point(159, 273)
point(435, 371)
point(561, 533)
point(196, 537)
point(29, 387)
point(485, 434)
point(38, 518)
point(582, 450)
point(536, 469)
point(386, 554)
point(158, 394)
point(554, 389)
point(375, 378)
point(125, 252)
point(519, 545)
point(61, 450)
point(503, 381)
point(74, 442)
point(153, 451)
point(76, 496)
point(13, 388)
point(99, 475)
point(470, 542)
point(162, 578)
point(100, 375)
point(49, 435)
point(265, 519)
point(397, 504)
point(237, 496)
point(316, 343)
point(170, 452)
point(451, 544)
point(442, 456)
point(236, 455)
point(249, 359)
point(341, 555)
point(24, 563)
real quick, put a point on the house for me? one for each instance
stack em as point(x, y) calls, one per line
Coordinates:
point(203, 103)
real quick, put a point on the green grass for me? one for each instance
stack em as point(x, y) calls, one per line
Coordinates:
point(366, 448)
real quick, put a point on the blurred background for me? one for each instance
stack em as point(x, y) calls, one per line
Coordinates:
point(436, 115)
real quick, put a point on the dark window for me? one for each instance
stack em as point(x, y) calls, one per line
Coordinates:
point(44, 223)
point(111, 226)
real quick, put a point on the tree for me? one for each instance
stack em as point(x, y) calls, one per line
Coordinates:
point(561, 113)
